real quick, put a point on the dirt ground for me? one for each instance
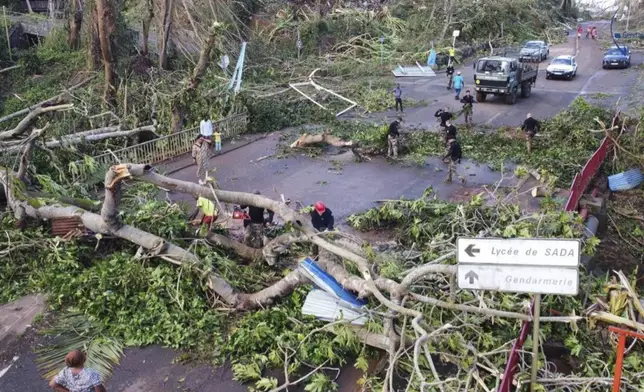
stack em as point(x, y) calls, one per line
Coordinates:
point(622, 245)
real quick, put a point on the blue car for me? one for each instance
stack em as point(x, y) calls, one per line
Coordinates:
point(617, 57)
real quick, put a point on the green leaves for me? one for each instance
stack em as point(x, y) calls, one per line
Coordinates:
point(74, 331)
point(320, 383)
point(246, 372)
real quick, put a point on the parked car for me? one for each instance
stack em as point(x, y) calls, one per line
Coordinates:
point(617, 57)
point(535, 49)
point(562, 67)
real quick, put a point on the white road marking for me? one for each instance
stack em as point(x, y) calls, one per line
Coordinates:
point(584, 90)
point(493, 117)
point(565, 91)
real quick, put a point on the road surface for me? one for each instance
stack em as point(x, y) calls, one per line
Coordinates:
point(548, 97)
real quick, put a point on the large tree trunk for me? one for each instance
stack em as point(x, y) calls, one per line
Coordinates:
point(94, 53)
point(25, 124)
point(148, 16)
point(93, 135)
point(178, 107)
point(168, 9)
point(106, 28)
point(75, 23)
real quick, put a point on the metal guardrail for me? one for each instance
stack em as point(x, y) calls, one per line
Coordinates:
point(169, 146)
point(577, 189)
point(583, 178)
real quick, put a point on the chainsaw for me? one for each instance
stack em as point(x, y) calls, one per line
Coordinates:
point(238, 213)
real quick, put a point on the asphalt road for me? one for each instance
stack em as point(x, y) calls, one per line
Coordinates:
point(548, 97)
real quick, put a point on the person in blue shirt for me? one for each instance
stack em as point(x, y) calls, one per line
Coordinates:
point(458, 84)
point(398, 97)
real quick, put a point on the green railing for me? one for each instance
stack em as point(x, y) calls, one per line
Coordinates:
point(173, 145)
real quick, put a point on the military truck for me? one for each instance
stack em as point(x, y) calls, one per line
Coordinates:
point(504, 76)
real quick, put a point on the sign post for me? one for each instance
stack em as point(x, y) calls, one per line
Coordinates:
point(382, 43)
point(536, 266)
point(535, 341)
point(455, 34)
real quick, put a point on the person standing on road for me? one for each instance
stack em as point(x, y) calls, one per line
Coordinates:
point(392, 138)
point(443, 115)
point(593, 32)
point(468, 107)
point(458, 85)
point(530, 127)
point(75, 377)
point(398, 97)
point(201, 150)
point(450, 76)
point(579, 31)
point(217, 136)
point(454, 155)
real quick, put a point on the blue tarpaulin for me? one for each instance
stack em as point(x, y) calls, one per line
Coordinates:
point(431, 60)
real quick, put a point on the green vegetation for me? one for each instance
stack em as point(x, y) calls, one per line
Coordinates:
point(105, 298)
point(562, 148)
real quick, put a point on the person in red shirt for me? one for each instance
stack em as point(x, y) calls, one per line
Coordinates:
point(579, 31)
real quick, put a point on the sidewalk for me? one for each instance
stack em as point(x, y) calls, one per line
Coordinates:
point(180, 162)
point(17, 316)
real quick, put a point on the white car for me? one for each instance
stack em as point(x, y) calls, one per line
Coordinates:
point(562, 67)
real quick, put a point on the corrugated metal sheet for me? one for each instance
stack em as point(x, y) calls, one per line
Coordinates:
point(417, 71)
point(62, 226)
point(626, 180)
point(324, 306)
point(328, 283)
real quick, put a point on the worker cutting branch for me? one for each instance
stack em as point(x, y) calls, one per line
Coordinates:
point(254, 224)
point(208, 213)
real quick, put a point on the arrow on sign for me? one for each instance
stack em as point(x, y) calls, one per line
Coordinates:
point(472, 276)
point(470, 250)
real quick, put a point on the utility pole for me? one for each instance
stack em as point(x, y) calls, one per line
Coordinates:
point(6, 30)
point(535, 342)
point(628, 16)
point(299, 44)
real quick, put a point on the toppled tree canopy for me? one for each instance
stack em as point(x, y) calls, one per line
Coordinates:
point(423, 320)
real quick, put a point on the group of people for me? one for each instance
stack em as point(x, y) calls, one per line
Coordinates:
point(591, 31)
point(256, 219)
point(454, 153)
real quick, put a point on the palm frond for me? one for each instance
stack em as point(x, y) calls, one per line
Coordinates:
point(74, 331)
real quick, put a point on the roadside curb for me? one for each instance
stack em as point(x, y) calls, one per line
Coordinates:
point(243, 144)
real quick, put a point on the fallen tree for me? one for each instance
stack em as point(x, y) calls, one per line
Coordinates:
point(92, 135)
point(55, 100)
point(25, 124)
point(403, 297)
